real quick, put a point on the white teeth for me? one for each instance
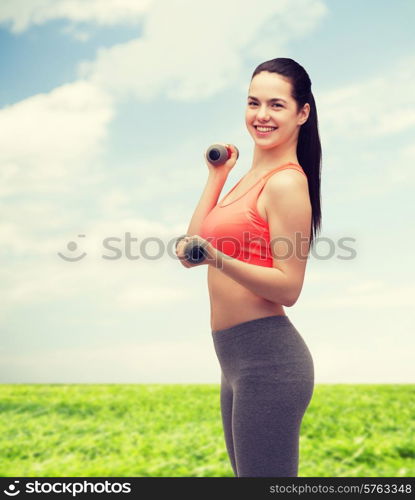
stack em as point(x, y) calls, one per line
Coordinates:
point(265, 129)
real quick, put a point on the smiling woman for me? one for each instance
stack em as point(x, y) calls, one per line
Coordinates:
point(257, 239)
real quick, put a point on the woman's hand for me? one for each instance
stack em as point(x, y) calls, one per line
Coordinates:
point(228, 165)
point(208, 248)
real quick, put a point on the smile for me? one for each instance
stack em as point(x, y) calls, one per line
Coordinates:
point(264, 130)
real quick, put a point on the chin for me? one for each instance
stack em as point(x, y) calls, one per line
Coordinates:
point(268, 146)
point(265, 145)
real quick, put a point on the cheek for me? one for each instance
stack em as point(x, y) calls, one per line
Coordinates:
point(287, 120)
point(249, 116)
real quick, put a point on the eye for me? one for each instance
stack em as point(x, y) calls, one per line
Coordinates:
point(250, 103)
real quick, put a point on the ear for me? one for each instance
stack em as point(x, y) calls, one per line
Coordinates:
point(304, 113)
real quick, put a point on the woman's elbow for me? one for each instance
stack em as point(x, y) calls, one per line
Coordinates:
point(290, 302)
point(291, 297)
point(283, 301)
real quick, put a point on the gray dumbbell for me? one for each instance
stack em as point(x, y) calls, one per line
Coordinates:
point(193, 252)
point(217, 154)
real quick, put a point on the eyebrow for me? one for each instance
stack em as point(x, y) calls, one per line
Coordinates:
point(269, 100)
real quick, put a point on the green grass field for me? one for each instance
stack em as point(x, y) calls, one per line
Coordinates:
point(126, 430)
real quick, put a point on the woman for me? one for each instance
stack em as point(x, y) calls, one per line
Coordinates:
point(256, 241)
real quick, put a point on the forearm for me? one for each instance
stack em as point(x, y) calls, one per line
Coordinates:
point(267, 282)
point(208, 200)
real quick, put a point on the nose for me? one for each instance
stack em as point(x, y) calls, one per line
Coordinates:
point(262, 113)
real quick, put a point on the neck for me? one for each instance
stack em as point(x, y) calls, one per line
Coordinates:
point(266, 159)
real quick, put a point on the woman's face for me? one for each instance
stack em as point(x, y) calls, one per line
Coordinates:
point(270, 105)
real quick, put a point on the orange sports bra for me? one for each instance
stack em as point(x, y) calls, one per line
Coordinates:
point(237, 229)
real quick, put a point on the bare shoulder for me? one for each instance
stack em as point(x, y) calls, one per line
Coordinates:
point(286, 181)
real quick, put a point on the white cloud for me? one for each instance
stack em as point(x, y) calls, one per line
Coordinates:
point(384, 361)
point(380, 360)
point(34, 230)
point(380, 106)
point(150, 275)
point(360, 125)
point(202, 51)
point(362, 295)
point(175, 361)
point(47, 138)
point(21, 14)
point(125, 284)
point(150, 297)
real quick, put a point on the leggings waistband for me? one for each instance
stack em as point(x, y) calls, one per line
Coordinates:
point(246, 327)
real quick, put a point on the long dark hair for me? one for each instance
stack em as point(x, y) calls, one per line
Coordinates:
point(308, 146)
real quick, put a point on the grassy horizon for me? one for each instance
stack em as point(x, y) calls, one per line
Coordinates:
point(175, 430)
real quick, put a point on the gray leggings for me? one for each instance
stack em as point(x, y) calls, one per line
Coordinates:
point(267, 381)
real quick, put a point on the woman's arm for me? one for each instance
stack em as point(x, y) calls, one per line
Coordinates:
point(208, 200)
point(267, 282)
point(288, 211)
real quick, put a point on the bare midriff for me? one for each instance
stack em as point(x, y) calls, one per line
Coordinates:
point(230, 302)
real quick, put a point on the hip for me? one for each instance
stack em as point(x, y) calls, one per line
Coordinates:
point(269, 346)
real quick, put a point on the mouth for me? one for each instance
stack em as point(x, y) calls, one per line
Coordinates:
point(264, 131)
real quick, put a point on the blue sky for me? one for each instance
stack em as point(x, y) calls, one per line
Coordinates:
point(105, 113)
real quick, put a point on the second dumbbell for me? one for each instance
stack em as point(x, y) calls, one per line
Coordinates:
point(193, 253)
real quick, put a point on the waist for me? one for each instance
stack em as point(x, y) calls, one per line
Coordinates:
point(231, 303)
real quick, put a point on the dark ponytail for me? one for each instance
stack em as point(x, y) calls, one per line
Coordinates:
point(308, 146)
